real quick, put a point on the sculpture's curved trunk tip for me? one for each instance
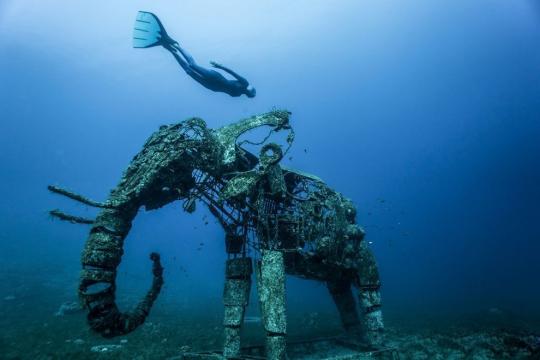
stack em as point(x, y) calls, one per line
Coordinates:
point(104, 316)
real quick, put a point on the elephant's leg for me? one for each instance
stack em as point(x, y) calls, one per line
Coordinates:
point(340, 289)
point(271, 290)
point(236, 298)
point(369, 284)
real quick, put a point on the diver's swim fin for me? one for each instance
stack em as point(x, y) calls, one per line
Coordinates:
point(148, 31)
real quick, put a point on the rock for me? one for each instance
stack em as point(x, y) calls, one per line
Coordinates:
point(67, 308)
point(105, 348)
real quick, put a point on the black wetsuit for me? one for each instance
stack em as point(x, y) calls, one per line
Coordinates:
point(211, 79)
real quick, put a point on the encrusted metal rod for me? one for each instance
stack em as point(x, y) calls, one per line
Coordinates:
point(78, 197)
point(72, 219)
point(216, 208)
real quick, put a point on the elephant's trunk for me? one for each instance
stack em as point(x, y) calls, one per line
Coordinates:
point(100, 259)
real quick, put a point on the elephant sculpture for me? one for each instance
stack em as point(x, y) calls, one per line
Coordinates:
point(282, 220)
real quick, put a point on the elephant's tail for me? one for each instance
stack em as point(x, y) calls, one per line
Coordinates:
point(100, 259)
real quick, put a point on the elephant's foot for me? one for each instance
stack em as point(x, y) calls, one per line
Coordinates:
point(276, 346)
point(271, 288)
point(341, 292)
point(235, 297)
point(231, 344)
point(372, 319)
point(373, 334)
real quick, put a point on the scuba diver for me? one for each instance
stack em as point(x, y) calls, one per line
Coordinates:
point(149, 32)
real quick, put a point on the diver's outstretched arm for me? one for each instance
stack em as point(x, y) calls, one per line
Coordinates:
point(238, 77)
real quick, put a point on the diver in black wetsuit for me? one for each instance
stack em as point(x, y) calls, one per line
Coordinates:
point(212, 79)
point(149, 32)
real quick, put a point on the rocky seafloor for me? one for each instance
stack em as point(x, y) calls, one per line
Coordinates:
point(465, 343)
point(38, 320)
point(167, 337)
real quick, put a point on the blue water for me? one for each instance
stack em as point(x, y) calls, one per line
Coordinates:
point(426, 114)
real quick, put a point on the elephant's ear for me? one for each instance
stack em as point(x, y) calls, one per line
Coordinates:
point(240, 184)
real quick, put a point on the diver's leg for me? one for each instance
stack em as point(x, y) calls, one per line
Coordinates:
point(186, 55)
point(271, 289)
point(192, 69)
point(196, 69)
point(340, 289)
point(369, 284)
point(183, 63)
point(236, 298)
